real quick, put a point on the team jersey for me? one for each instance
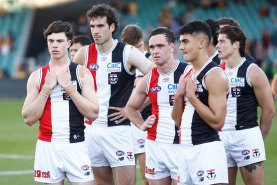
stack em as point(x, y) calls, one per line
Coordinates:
point(113, 81)
point(194, 130)
point(61, 121)
point(161, 89)
point(215, 58)
point(242, 103)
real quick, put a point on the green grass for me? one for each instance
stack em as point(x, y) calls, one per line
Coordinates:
point(18, 138)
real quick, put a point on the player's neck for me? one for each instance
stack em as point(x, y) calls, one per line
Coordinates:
point(199, 62)
point(233, 60)
point(59, 62)
point(168, 66)
point(211, 50)
point(104, 48)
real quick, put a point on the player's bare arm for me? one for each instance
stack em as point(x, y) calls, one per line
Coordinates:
point(178, 106)
point(275, 87)
point(217, 86)
point(80, 56)
point(263, 94)
point(86, 102)
point(137, 60)
point(35, 102)
point(135, 102)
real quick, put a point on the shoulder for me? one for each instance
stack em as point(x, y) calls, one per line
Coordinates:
point(216, 76)
point(83, 71)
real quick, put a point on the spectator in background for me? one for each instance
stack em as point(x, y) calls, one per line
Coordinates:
point(82, 26)
point(20, 72)
point(7, 45)
point(260, 53)
point(133, 8)
point(165, 16)
point(77, 42)
point(264, 11)
point(266, 38)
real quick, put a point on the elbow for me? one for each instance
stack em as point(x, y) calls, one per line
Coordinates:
point(272, 113)
point(29, 121)
point(93, 116)
point(218, 126)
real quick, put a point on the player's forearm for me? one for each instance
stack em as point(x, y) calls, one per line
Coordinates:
point(266, 122)
point(33, 112)
point(134, 116)
point(177, 110)
point(214, 120)
point(87, 108)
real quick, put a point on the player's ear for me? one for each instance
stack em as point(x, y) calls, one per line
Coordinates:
point(112, 27)
point(69, 43)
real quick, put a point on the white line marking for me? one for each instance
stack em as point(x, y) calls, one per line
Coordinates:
point(16, 172)
point(15, 156)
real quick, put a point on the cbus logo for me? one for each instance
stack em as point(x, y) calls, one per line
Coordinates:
point(156, 89)
point(85, 168)
point(119, 153)
point(93, 67)
point(245, 152)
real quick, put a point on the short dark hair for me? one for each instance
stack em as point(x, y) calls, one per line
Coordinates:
point(58, 27)
point(214, 28)
point(169, 35)
point(197, 27)
point(228, 21)
point(234, 34)
point(82, 39)
point(132, 34)
point(103, 10)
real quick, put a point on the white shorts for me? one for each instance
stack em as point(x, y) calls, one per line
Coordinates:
point(203, 164)
point(56, 161)
point(243, 147)
point(110, 146)
point(161, 160)
point(139, 138)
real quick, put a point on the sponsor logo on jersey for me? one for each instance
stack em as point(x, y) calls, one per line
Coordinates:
point(172, 86)
point(200, 173)
point(199, 87)
point(171, 99)
point(155, 89)
point(237, 82)
point(235, 91)
point(256, 153)
point(141, 141)
point(150, 171)
point(120, 153)
point(112, 78)
point(93, 67)
point(114, 67)
point(211, 174)
point(245, 152)
point(165, 79)
point(41, 174)
point(85, 168)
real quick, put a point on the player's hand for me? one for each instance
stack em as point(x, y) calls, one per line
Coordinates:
point(149, 122)
point(191, 87)
point(120, 115)
point(64, 78)
point(50, 79)
point(181, 89)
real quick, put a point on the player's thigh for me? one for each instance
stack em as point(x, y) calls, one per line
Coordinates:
point(253, 174)
point(164, 181)
point(83, 183)
point(103, 175)
point(125, 175)
point(232, 175)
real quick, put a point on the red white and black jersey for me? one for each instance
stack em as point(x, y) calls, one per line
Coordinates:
point(61, 121)
point(194, 130)
point(113, 81)
point(161, 89)
point(242, 103)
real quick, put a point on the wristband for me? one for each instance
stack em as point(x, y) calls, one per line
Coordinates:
point(67, 85)
point(43, 94)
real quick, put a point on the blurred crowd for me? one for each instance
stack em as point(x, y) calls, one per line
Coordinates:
point(262, 50)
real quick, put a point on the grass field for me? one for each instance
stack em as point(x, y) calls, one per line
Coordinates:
point(19, 139)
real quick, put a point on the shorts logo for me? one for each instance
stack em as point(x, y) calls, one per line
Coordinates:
point(41, 174)
point(130, 156)
point(120, 159)
point(141, 141)
point(200, 173)
point(113, 78)
point(120, 153)
point(93, 67)
point(85, 168)
point(150, 171)
point(245, 152)
point(155, 89)
point(246, 157)
point(211, 174)
point(256, 153)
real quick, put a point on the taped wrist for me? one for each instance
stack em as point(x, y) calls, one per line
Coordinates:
point(70, 89)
